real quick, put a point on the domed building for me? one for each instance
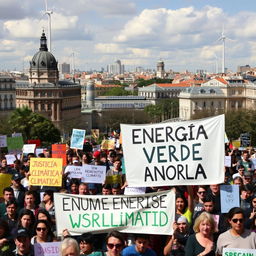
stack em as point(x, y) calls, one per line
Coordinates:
point(44, 93)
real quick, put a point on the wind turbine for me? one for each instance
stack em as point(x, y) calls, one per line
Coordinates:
point(49, 13)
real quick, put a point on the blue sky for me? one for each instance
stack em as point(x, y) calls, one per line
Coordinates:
point(183, 33)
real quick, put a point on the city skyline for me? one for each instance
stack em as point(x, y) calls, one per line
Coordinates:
point(184, 34)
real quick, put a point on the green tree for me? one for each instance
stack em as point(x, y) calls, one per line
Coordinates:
point(33, 126)
point(117, 91)
point(141, 82)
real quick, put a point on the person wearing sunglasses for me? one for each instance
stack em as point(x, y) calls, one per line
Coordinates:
point(237, 236)
point(115, 244)
point(43, 232)
point(201, 194)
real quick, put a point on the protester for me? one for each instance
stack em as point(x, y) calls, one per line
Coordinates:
point(237, 236)
point(6, 243)
point(69, 247)
point(86, 244)
point(115, 243)
point(48, 203)
point(23, 245)
point(11, 215)
point(26, 220)
point(8, 195)
point(42, 231)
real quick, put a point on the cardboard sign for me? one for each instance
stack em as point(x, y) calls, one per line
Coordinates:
point(5, 181)
point(229, 196)
point(77, 139)
point(45, 172)
point(238, 252)
point(76, 172)
point(151, 213)
point(108, 144)
point(245, 139)
point(134, 191)
point(94, 173)
point(175, 153)
point(227, 162)
point(10, 159)
point(29, 148)
point(47, 249)
point(14, 144)
point(114, 179)
point(18, 134)
point(59, 151)
point(37, 142)
point(3, 141)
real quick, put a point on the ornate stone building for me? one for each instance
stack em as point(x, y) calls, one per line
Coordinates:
point(44, 93)
point(7, 92)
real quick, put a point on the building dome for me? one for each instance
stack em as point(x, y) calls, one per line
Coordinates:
point(43, 59)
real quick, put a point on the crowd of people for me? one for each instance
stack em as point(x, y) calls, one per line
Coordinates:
point(27, 213)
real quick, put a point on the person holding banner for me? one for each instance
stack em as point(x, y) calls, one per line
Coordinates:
point(237, 236)
point(202, 242)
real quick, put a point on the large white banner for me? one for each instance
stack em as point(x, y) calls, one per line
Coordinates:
point(175, 153)
point(151, 213)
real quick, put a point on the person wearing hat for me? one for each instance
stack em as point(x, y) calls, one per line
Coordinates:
point(23, 244)
point(18, 189)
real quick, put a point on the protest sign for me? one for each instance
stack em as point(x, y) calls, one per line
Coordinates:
point(39, 151)
point(3, 141)
point(236, 143)
point(227, 162)
point(176, 153)
point(37, 142)
point(245, 139)
point(151, 213)
point(59, 151)
point(134, 191)
point(14, 144)
point(108, 144)
point(47, 249)
point(94, 173)
point(29, 148)
point(5, 181)
point(18, 134)
point(77, 139)
point(95, 133)
point(45, 172)
point(76, 172)
point(10, 159)
point(238, 252)
point(229, 197)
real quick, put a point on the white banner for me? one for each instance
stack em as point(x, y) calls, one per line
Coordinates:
point(238, 252)
point(29, 148)
point(75, 171)
point(10, 159)
point(152, 213)
point(176, 153)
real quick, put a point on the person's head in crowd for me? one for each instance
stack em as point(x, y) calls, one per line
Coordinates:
point(83, 189)
point(111, 156)
point(208, 204)
point(74, 184)
point(22, 242)
point(238, 181)
point(69, 247)
point(8, 194)
point(106, 189)
point(236, 220)
point(92, 189)
point(103, 157)
point(30, 200)
point(117, 163)
point(215, 189)
point(86, 158)
point(96, 156)
point(26, 161)
point(48, 196)
point(47, 153)
point(11, 208)
point(247, 178)
point(42, 231)
point(69, 158)
point(41, 155)
point(3, 163)
point(245, 155)
point(246, 191)
point(181, 203)
point(201, 192)
point(75, 162)
point(86, 242)
point(30, 155)
point(227, 177)
point(240, 169)
point(115, 243)
point(16, 179)
point(43, 214)
point(141, 243)
point(182, 224)
point(204, 224)
point(26, 219)
point(17, 164)
point(116, 189)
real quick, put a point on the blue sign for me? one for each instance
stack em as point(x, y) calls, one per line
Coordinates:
point(229, 196)
point(77, 139)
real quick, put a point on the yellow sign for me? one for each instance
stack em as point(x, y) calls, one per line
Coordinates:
point(112, 179)
point(45, 172)
point(5, 181)
point(236, 143)
point(108, 144)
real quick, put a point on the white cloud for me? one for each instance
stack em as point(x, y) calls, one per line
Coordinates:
point(108, 48)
